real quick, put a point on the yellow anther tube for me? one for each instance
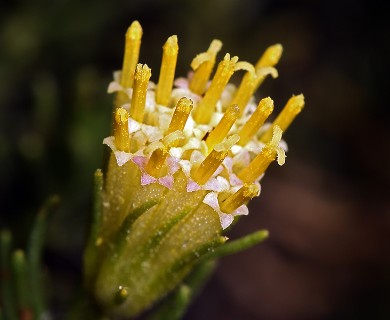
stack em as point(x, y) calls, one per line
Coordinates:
point(206, 107)
point(132, 48)
point(292, 108)
point(240, 197)
point(180, 115)
point(209, 165)
point(223, 127)
point(270, 57)
point(167, 71)
point(157, 161)
point(261, 162)
point(250, 128)
point(138, 99)
point(121, 130)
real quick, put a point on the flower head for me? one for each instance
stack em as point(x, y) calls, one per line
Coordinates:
point(186, 157)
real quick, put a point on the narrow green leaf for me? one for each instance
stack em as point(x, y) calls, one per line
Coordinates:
point(91, 253)
point(176, 304)
point(238, 245)
point(174, 307)
point(23, 293)
point(34, 254)
point(7, 293)
point(97, 205)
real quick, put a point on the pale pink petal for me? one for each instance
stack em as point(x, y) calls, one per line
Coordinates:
point(166, 181)
point(147, 179)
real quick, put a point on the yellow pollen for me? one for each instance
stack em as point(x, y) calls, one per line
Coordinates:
point(138, 99)
point(240, 197)
point(261, 162)
point(156, 162)
point(270, 57)
point(209, 165)
point(222, 76)
point(203, 65)
point(121, 130)
point(130, 60)
point(167, 71)
point(293, 107)
point(180, 115)
point(223, 127)
point(250, 128)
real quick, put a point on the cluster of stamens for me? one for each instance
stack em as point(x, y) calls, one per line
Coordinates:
point(208, 129)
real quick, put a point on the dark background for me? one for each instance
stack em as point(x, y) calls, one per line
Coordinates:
point(327, 209)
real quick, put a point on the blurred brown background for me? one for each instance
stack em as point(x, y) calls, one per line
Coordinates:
point(327, 209)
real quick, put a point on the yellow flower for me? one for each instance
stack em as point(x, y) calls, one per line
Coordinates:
point(186, 157)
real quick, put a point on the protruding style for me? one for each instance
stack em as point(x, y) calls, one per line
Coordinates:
point(203, 65)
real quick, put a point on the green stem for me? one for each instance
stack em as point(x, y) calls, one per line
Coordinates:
point(34, 254)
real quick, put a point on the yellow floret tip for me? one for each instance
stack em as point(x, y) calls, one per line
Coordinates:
point(293, 107)
point(250, 128)
point(203, 65)
point(240, 197)
point(261, 162)
point(132, 48)
point(223, 127)
point(156, 162)
point(206, 106)
point(167, 71)
point(138, 99)
point(121, 130)
point(270, 57)
point(209, 165)
point(180, 115)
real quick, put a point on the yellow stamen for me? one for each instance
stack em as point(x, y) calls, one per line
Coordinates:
point(132, 47)
point(203, 65)
point(292, 108)
point(223, 127)
point(249, 129)
point(180, 115)
point(240, 197)
point(207, 105)
point(138, 99)
point(261, 162)
point(121, 130)
point(167, 71)
point(209, 165)
point(270, 57)
point(252, 81)
point(156, 164)
point(245, 91)
point(156, 161)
